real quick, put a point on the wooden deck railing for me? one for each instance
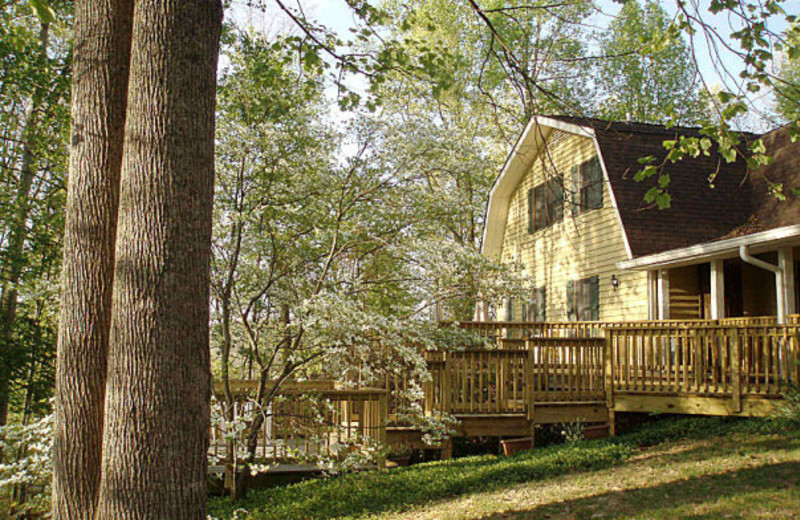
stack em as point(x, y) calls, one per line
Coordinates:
point(485, 381)
point(574, 362)
point(566, 369)
point(511, 332)
point(708, 360)
point(737, 361)
point(304, 423)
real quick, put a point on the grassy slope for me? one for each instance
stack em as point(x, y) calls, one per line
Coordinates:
point(694, 468)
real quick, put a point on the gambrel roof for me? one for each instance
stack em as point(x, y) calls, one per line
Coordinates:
point(736, 204)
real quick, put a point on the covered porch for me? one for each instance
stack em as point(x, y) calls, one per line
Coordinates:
point(740, 277)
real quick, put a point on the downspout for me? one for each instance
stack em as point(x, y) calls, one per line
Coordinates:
point(746, 257)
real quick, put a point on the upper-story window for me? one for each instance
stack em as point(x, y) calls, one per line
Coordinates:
point(545, 205)
point(587, 178)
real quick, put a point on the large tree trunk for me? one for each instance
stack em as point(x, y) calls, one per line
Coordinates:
point(99, 90)
point(12, 259)
point(159, 384)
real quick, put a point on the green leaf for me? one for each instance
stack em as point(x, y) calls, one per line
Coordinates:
point(645, 173)
point(724, 96)
point(794, 134)
point(729, 154)
point(43, 11)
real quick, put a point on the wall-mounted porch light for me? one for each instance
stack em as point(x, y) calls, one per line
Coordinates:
point(614, 282)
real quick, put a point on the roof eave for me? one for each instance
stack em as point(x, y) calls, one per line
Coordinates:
point(726, 248)
point(525, 151)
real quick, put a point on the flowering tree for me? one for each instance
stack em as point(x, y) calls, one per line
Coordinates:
point(325, 267)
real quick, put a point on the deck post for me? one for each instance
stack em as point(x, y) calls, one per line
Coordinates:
point(447, 449)
point(717, 289)
point(795, 356)
point(609, 370)
point(612, 426)
point(736, 369)
point(663, 294)
point(530, 395)
point(383, 417)
point(787, 287)
point(446, 377)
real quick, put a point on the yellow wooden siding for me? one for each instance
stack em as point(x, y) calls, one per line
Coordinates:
point(591, 244)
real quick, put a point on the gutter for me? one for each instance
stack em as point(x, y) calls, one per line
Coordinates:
point(746, 257)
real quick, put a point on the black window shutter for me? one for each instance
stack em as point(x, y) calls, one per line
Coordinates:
point(540, 207)
point(571, 310)
point(595, 193)
point(558, 201)
point(594, 298)
point(530, 211)
point(542, 303)
point(576, 197)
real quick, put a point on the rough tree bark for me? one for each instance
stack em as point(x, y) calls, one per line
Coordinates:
point(99, 89)
point(159, 384)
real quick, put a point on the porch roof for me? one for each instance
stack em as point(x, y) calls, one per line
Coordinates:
point(726, 248)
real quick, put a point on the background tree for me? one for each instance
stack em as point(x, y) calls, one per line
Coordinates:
point(516, 58)
point(647, 73)
point(787, 89)
point(34, 92)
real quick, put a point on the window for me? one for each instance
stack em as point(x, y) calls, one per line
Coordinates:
point(588, 182)
point(545, 205)
point(538, 306)
point(583, 299)
point(509, 314)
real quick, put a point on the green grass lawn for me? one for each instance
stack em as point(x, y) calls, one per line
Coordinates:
point(695, 468)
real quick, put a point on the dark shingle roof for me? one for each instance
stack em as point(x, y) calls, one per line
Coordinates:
point(768, 211)
point(737, 205)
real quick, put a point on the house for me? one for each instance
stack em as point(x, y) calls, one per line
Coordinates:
point(567, 208)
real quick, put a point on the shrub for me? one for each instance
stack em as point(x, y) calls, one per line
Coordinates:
point(26, 471)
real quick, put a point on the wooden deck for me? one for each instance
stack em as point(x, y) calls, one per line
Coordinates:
point(548, 373)
point(556, 372)
point(561, 371)
point(310, 420)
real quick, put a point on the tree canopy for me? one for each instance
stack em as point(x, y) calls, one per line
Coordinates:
point(647, 73)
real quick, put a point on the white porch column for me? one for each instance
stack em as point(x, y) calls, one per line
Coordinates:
point(785, 284)
point(717, 289)
point(652, 295)
point(663, 294)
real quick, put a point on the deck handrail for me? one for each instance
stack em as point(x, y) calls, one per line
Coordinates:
point(729, 359)
point(310, 419)
point(710, 360)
